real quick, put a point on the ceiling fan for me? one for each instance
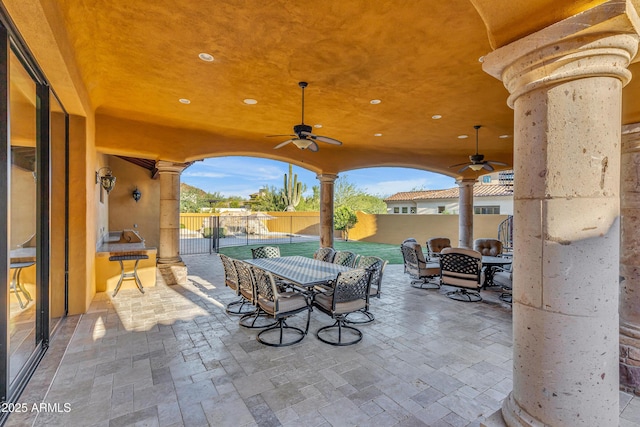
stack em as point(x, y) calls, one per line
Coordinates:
point(302, 136)
point(477, 161)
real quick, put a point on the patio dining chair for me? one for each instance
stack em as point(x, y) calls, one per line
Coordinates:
point(349, 293)
point(376, 266)
point(324, 254)
point(346, 258)
point(421, 272)
point(249, 291)
point(265, 252)
point(231, 281)
point(462, 268)
point(281, 306)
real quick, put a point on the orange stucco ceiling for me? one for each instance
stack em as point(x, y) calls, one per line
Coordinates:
point(134, 60)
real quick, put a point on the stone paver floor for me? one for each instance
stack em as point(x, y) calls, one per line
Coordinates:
point(172, 357)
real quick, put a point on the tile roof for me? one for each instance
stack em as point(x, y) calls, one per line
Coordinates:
point(450, 193)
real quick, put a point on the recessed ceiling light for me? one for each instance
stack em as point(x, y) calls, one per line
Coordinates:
point(377, 134)
point(317, 125)
point(184, 101)
point(436, 116)
point(463, 136)
point(250, 101)
point(375, 101)
point(504, 136)
point(206, 57)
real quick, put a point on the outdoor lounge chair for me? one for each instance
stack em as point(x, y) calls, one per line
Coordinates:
point(503, 277)
point(435, 245)
point(462, 268)
point(488, 247)
point(415, 265)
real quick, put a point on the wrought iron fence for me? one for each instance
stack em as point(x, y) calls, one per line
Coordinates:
point(206, 234)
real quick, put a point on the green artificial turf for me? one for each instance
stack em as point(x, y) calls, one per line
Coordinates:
point(388, 252)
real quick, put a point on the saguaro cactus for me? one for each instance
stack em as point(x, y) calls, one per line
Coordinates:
point(292, 190)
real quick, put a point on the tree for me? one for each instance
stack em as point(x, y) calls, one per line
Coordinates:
point(344, 218)
point(269, 199)
point(310, 203)
point(348, 194)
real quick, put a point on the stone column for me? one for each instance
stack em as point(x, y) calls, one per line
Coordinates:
point(326, 209)
point(465, 213)
point(566, 91)
point(630, 260)
point(170, 264)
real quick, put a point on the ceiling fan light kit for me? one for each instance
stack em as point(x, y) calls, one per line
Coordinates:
point(302, 143)
point(302, 136)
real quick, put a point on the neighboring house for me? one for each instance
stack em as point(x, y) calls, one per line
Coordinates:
point(489, 197)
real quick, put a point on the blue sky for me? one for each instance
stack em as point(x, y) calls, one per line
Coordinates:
point(241, 176)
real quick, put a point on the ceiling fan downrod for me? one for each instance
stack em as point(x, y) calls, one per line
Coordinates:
point(302, 86)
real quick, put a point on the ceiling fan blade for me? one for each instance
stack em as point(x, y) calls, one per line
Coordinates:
point(459, 164)
point(269, 136)
point(322, 138)
point(282, 144)
point(313, 147)
point(493, 162)
point(464, 168)
point(487, 166)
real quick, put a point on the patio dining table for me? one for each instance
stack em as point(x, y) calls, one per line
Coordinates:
point(302, 271)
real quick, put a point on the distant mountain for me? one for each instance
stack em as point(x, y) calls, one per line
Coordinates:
point(186, 188)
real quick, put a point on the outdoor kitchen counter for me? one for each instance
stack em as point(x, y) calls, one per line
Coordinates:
point(126, 242)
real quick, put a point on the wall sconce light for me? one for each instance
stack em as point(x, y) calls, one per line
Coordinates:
point(136, 194)
point(108, 181)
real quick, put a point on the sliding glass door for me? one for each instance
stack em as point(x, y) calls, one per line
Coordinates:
point(33, 213)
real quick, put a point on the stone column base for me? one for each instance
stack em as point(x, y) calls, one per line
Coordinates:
point(172, 274)
point(630, 358)
point(494, 420)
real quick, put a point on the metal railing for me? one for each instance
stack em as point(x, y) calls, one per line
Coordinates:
point(207, 234)
point(505, 234)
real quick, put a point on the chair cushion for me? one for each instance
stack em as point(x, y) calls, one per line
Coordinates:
point(488, 247)
point(437, 244)
point(291, 302)
point(465, 251)
point(326, 300)
point(470, 283)
point(431, 269)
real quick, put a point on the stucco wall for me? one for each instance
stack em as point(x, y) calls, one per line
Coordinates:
point(395, 228)
point(124, 212)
